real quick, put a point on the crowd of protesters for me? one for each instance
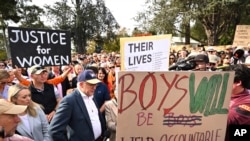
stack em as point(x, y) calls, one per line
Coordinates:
point(42, 89)
point(217, 58)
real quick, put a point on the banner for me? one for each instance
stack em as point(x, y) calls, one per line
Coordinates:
point(179, 106)
point(149, 53)
point(42, 47)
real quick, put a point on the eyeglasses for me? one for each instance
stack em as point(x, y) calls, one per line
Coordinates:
point(112, 67)
point(171, 58)
point(212, 64)
point(210, 51)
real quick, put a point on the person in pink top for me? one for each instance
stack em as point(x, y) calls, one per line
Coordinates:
point(239, 108)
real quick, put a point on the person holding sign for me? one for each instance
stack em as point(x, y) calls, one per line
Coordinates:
point(43, 93)
point(239, 108)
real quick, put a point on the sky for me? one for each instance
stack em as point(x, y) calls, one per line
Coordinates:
point(122, 10)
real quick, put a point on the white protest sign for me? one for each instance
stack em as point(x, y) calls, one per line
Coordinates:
point(149, 53)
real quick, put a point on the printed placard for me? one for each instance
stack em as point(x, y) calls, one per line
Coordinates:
point(149, 53)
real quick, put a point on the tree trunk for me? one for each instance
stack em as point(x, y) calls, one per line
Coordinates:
point(187, 34)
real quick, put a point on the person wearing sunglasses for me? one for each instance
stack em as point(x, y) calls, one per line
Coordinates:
point(213, 62)
point(172, 59)
point(3, 65)
point(42, 92)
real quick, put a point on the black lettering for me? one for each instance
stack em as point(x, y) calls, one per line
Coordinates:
point(151, 46)
point(149, 57)
point(144, 60)
point(129, 61)
point(130, 47)
point(137, 47)
point(143, 47)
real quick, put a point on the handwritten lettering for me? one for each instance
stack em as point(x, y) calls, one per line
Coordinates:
point(144, 118)
point(34, 36)
point(207, 99)
point(191, 121)
point(208, 135)
point(128, 91)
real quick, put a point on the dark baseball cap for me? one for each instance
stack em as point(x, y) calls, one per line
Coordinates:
point(88, 76)
point(201, 58)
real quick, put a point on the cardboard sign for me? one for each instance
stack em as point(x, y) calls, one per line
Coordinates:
point(180, 106)
point(242, 35)
point(149, 53)
point(39, 47)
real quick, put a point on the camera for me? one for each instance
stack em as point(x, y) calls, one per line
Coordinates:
point(187, 64)
point(183, 66)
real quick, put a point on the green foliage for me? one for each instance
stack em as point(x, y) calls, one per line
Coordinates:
point(3, 55)
point(198, 32)
point(86, 21)
point(217, 17)
point(113, 44)
point(30, 17)
point(8, 10)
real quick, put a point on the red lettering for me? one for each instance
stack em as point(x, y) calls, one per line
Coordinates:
point(154, 90)
point(170, 85)
point(126, 91)
point(142, 118)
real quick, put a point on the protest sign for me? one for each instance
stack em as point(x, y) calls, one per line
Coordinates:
point(166, 106)
point(39, 47)
point(242, 35)
point(149, 53)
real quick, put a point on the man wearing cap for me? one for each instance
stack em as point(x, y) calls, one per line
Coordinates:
point(43, 93)
point(213, 62)
point(79, 113)
point(201, 61)
point(9, 121)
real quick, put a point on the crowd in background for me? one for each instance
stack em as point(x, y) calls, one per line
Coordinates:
point(29, 86)
point(218, 58)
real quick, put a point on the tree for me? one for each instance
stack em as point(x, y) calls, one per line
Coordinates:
point(9, 11)
point(89, 21)
point(30, 17)
point(218, 17)
point(61, 15)
point(113, 43)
